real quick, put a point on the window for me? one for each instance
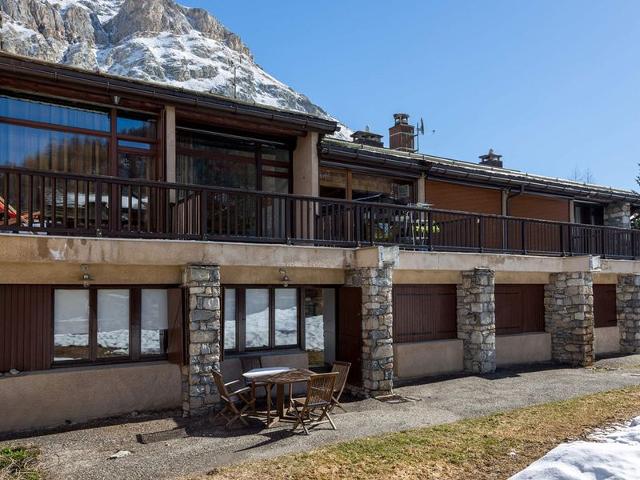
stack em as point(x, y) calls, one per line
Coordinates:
point(260, 318)
point(71, 325)
point(46, 135)
point(108, 324)
point(263, 318)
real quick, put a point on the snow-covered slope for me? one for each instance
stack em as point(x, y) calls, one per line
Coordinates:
point(152, 40)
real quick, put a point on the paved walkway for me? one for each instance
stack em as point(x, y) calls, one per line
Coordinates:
point(83, 454)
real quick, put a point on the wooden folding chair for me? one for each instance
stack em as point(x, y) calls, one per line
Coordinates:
point(311, 410)
point(250, 363)
point(230, 411)
point(342, 368)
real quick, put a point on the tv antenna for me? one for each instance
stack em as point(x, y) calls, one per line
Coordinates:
point(420, 131)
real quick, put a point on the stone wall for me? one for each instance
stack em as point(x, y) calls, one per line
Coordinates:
point(199, 394)
point(618, 214)
point(569, 317)
point(377, 324)
point(628, 307)
point(477, 320)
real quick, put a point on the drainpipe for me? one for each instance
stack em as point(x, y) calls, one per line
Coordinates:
point(510, 196)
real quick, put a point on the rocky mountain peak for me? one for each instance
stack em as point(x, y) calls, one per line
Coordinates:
point(152, 40)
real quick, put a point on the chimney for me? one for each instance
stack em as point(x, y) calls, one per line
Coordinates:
point(402, 134)
point(491, 159)
point(365, 137)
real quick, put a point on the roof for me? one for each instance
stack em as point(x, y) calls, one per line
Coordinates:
point(50, 71)
point(449, 169)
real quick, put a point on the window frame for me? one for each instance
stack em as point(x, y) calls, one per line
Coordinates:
point(240, 318)
point(135, 326)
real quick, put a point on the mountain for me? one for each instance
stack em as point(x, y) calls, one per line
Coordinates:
point(152, 40)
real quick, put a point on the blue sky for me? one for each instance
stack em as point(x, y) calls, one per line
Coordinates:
point(551, 85)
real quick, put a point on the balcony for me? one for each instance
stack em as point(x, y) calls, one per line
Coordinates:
point(79, 205)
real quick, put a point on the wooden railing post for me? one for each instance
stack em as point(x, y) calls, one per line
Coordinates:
point(523, 233)
point(430, 230)
point(203, 214)
point(480, 234)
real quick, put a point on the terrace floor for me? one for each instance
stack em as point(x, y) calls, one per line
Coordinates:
point(83, 453)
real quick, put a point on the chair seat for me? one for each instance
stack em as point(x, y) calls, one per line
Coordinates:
point(302, 400)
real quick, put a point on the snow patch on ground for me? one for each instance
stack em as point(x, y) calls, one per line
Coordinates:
point(610, 454)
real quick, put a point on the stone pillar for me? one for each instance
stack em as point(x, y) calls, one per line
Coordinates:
point(569, 317)
point(618, 214)
point(199, 394)
point(477, 320)
point(628, 307)
point(377, 324)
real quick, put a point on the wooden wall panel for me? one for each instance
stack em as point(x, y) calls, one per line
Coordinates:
point(519, 309)
point(424, 312)
point(25, 327)
point(604, 306)
point(466, 198)
point(540, 207)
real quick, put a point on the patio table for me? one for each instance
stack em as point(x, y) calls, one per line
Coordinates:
point(278, 376)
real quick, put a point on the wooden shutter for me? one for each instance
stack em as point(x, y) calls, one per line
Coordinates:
point(424, 312)
point(176, 350)
point(349, 348)
point(604, 306)
point(26, 332)
point(519, 309)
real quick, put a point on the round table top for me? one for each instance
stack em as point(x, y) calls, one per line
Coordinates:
point(280, 375)
point(265, 372)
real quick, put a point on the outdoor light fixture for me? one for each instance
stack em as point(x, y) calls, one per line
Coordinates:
point(86, 277)
point(116, 100)
point(284, 278)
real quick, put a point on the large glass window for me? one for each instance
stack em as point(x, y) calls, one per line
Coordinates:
point(113, 323)
point(71, 325)
point(54, 114)
point(278, 317)
point(154, 322)
point(257, 318)
point(286, 317)
point(101, 324)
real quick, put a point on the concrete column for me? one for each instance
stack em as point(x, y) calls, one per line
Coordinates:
point(569, 317)
point(421, 190)
point(170, 142)
point(628, 307)
point(199, 394)
point(306, 166)
point(477, 320)
point(377, 324)
point(618, 214)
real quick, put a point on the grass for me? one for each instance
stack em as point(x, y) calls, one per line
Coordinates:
point(492, 447)
point(19, 463)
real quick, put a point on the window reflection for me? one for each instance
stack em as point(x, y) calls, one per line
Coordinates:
point(286, 317)
point(39, 111)
point(155, 322)
point(257, 318)
point(230, 338)
point(113, 323)
point(71, 325)
point(136, 126)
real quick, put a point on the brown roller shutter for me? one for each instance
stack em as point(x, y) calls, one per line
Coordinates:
point(466, 198)
point(604, 306)
point(176, 349)
point(519, 309)
point(539, 207)
point(424, 312)
point(26, 320)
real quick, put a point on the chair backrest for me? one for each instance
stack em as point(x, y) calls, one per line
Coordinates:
point(222, 389)
point(342, 368)
point(249, 363)
point(320, 389)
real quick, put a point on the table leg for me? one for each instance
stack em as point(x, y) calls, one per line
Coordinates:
point(268, 405)
point(280, 399)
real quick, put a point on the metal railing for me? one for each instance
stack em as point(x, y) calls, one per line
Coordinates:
point(70, 204)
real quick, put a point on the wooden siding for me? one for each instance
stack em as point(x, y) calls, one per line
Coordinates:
point(466, 198)
point(25, 327)
point(424, 312)
point(519, 309)
point(539, 207)
point(604, 306)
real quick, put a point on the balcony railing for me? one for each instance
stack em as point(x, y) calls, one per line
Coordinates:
point(68, 204)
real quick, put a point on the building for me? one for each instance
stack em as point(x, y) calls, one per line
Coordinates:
point(152, 235)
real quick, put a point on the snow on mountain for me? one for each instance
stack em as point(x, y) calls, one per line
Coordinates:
point(152, 40)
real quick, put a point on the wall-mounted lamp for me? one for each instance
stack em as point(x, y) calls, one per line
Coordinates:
point(116, 100)
point(86, 276)
point(284, 278)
